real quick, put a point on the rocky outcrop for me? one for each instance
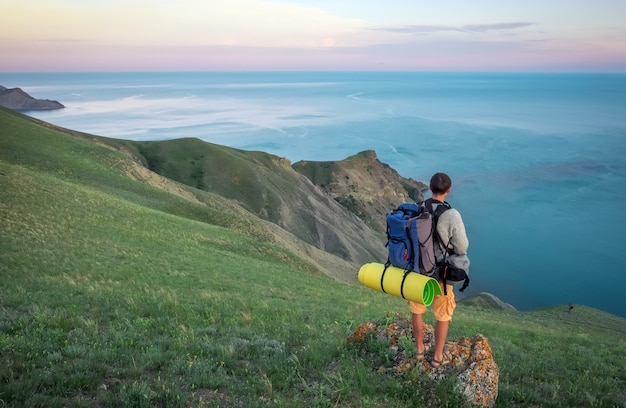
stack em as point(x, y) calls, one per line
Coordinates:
point(364, 185)
point(489, 301)
point(17, 99)
point(472, 363)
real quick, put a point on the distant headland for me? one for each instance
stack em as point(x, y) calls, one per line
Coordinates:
point(17, 99)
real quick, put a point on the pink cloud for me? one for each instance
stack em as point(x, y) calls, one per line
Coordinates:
point(448, 55)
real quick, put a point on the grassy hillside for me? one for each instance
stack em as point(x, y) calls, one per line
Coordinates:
point(268, 187)
point(117, 293)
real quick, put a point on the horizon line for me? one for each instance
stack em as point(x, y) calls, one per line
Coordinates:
point(260, 71)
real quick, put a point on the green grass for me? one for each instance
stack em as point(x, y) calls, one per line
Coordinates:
point(251, 178)
point(114, 293)
point(100, 293)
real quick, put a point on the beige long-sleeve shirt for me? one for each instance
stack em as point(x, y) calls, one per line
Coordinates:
point(451, 230)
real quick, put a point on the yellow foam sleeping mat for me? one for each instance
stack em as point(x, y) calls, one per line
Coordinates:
point(397, 282)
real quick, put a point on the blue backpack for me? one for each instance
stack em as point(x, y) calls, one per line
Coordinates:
point(411, 236)
point(411, 239)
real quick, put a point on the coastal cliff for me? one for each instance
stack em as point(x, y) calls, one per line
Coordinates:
point(17, 99)
point(363, 185)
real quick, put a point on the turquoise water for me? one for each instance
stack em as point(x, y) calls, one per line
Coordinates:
point(537, 160)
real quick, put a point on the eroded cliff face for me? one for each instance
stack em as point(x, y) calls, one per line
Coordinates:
point(363, 185)
point(17, 99)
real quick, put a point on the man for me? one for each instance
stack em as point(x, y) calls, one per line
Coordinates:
point(451, 230)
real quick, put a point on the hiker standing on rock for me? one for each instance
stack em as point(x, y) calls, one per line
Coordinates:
point(451, 230)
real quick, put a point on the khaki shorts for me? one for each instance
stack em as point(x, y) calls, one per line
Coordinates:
point(443, 305)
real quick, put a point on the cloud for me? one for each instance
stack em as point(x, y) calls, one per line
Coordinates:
point(491, 27)
point(425, 29)
point(416, 29)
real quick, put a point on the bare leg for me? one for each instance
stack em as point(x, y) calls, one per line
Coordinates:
point(441, 332)
point(418, 332)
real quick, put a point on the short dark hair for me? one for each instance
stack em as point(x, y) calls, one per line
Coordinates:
point(440, 183)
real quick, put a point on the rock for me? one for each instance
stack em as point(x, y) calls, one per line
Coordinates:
point(17, 99)
point(471, 362)
point(364, 185)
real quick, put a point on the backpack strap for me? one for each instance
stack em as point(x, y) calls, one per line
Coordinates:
point(388, 238)
point(382, 276)
point(444, 278)
point(436, 208)
point(441, 207)
point(465, 284)
point(406, 273)
point(411, 260)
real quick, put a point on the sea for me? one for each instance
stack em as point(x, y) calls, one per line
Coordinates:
point(537, 160)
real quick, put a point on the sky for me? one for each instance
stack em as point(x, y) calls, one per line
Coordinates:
point(313, 35)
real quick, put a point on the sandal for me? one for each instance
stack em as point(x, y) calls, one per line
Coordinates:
point(420, 356)
point(439, 363)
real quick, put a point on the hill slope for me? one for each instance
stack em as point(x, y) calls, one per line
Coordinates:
point(268, 187)
point(140, 291)
point(39, 145)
